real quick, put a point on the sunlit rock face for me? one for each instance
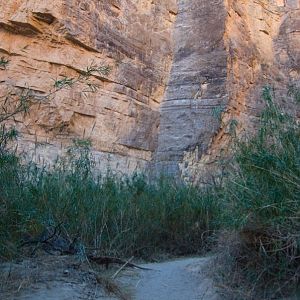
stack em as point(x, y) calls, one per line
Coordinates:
point(50, 40)
point(183, 72)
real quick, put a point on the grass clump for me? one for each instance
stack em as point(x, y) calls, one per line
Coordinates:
point(119, 216)
point(3, 63)
point(261, 209)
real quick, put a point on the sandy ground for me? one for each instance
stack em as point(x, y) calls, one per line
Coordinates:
point(49, 278)
point(60, 278)
point(174, 280)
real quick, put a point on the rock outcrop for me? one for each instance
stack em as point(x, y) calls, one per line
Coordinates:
point(184, 73)
point(47, 41)
point(197, 85)
point(262, 41)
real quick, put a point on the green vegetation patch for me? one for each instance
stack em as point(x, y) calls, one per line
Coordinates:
point(119, 216)
point(261, 209)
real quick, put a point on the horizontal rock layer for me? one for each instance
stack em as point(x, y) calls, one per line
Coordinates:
point(182, 73)
point(47, 42)
point(262, 41)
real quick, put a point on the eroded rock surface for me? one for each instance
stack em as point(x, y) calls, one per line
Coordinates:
point(183, 73)
point(46, 41)
point(262, 45)
point(197, 84)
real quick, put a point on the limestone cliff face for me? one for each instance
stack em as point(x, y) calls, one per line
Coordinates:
point(262, 41)
point(197, 84)
point(50, 40)
point(183, 73)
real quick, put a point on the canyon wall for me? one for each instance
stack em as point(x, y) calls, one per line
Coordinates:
point(184, 73)
point(197, 84)
point(262, 40)
point(49, 41)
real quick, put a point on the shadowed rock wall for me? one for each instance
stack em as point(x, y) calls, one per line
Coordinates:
point(262, 41)
point(197, 84)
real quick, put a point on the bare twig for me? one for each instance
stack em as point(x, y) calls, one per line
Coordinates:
point(106, 260)
point(122, 267)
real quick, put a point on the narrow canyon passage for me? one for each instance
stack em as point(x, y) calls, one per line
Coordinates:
point(172, 74)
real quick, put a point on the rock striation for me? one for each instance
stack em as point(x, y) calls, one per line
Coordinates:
point(48, 41)
point(262, 40)
point(183, 74)
point(196, 89)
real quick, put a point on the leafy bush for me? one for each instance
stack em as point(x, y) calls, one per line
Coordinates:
point(261, 202)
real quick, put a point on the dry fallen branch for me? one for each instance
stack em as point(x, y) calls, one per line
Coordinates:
point(122, 267)
point(51, 240)
point(106, 260)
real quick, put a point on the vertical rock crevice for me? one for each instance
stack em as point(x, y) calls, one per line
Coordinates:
point(196, 91)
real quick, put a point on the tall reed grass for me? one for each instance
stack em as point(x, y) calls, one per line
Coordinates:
point(261, 208)
point(120, 216)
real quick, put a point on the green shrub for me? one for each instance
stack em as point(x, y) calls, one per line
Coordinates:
point(261, 201)
point(120, 216)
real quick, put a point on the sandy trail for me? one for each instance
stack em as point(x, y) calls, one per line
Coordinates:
point(53, 278)
point(181, 279)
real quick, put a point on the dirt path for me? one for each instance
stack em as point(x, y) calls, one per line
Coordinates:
point(56, 279)
point(182, 279)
